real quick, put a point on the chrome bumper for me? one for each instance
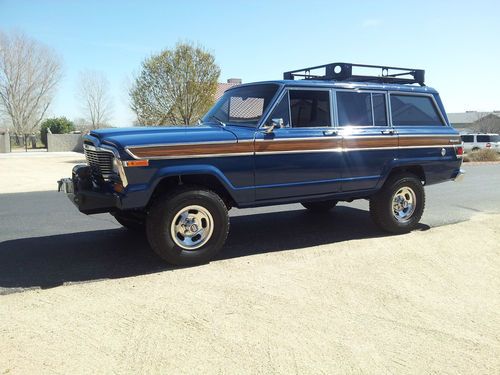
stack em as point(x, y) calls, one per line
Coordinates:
point(460, 176)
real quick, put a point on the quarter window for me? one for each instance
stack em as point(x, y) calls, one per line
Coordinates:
point(282, 110)
point(468, 138)
point(361, 109)
point(414, 110)
point(310, 108)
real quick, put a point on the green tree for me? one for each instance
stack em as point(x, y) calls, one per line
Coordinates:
point(176, 86)
point(57, 125)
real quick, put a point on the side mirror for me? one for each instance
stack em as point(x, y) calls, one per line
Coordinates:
point(275, 123)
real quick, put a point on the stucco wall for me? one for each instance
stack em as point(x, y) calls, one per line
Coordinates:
point(64, 142)
point(4, 142)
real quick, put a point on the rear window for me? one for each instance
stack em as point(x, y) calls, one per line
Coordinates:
point(413, 110)
point(467, 138)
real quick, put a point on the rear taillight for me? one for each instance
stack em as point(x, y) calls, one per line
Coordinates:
point(488, 145)
point(459, 151)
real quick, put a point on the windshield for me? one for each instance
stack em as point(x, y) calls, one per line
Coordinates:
point(242, 106)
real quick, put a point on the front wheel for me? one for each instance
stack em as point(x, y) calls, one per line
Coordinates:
point(399, 205)
point(187, 226)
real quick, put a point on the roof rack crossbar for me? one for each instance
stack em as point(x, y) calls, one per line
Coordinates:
point(344, 72)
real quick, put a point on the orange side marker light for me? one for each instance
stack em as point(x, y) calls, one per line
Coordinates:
point(137, 163)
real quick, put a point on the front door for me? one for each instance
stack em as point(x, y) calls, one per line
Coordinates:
point(304, 157)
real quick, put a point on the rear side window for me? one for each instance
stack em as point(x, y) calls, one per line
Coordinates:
point(310, 108)
point(414, 110)
point(483, 138)
point(361, 109)
point(467, 138)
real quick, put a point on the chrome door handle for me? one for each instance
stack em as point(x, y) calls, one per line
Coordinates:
point(389, 132)
point(330, 132)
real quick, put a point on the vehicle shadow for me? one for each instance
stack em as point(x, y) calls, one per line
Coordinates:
point(50, 261)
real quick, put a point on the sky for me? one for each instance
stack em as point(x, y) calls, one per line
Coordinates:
point(456, 42)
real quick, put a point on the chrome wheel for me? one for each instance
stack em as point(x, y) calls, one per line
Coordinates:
point(192, 227)
point(403, 204)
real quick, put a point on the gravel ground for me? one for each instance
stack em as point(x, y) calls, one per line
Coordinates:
point(423, 303)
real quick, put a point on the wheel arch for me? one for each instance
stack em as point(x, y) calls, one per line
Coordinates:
point(416, 169)
point(210, 178)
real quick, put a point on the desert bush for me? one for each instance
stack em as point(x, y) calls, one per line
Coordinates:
point(482, 155)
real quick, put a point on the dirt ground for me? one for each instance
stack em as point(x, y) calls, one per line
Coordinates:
point(423, 303)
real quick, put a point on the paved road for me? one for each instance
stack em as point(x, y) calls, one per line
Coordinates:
point(45, 242)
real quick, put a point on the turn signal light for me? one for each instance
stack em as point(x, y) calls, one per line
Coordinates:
point(137, 163)
point(118, 188)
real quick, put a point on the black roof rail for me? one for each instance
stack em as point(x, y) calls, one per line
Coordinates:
point(344, 72)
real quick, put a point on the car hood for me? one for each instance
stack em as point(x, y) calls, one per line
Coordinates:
point(141, 136)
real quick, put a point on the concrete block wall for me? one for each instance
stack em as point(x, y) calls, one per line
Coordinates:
point(64, 142)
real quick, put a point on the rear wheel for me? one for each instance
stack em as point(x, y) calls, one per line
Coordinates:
point(399, 205)
point(322, 206)
point(187, 226)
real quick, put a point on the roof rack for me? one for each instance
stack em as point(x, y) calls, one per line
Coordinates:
point(344, 72)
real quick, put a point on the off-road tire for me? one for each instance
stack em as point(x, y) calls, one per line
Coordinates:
point(130, 220)
point(168, 205)
point(323, 206)
point(381, 204)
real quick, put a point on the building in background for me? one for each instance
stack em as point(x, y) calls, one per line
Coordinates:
point(465, 122)
point(222, 87)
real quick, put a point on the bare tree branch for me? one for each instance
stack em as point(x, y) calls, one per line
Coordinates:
point(29, 74)
point(93, 92)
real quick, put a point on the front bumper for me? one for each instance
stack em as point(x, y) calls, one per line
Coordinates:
point(87, 194)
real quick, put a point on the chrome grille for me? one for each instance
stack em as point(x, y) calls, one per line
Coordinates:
point(101, 162)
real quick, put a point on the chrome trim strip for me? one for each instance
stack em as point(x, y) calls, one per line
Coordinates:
point(324, 138)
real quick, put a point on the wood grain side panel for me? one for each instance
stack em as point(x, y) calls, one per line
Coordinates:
point(428, 141)
point(367, 142)
point(192, 150)
point(299, 145)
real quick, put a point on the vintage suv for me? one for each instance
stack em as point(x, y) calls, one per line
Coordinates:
point(319, 139)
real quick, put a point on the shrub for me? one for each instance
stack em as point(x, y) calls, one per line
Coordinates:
point(57, 125)
point(482, 155)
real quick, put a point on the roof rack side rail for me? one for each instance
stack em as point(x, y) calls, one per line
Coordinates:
point(344, 72)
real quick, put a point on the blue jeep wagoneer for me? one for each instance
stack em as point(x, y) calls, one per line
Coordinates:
point(321, 135)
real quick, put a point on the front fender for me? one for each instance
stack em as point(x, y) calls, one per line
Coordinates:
point(138, 196)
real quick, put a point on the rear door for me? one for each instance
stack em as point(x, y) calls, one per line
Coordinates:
point(369, 143)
